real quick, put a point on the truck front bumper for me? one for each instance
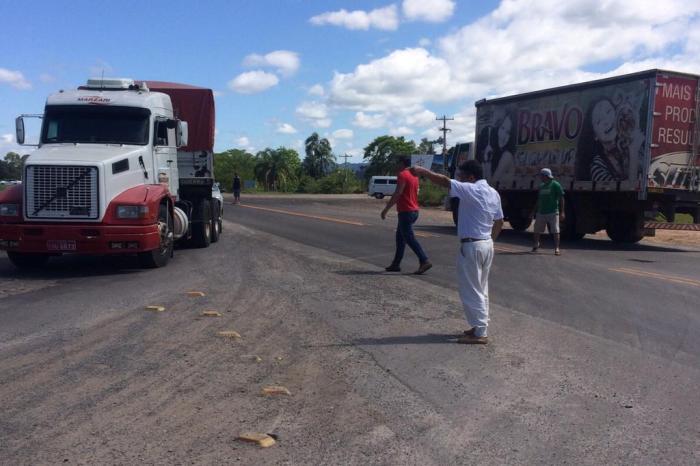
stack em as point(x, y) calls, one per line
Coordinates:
point(78, 239)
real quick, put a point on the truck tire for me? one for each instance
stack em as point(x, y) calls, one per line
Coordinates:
point(160, 257)
point(519, 223)
point(201, 229)
point(568, 227)
point(379, 195)
point(624, 228)
point(216, 221)
point(23, 260)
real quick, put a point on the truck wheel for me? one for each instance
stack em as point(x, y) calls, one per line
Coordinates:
point(201, 230)
point(160, 257)
point(519, 223)
point(379, 195)
point(624, 228)
point(215, 222)
point(568, 228)
point(26, 260)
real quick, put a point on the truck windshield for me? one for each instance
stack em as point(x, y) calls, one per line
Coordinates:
point(95, 124)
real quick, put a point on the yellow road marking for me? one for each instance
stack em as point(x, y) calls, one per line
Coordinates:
point(506, 249)
point(425, 235)
point(659, 276)
point(297, 214)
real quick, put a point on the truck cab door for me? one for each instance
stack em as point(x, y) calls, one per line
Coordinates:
point(166, 153)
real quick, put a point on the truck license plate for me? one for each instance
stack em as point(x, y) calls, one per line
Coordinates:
point(60, 245)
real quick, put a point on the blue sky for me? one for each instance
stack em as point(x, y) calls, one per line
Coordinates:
point(350, 70)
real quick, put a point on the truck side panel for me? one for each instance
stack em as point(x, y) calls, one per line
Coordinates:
point(674, 156)
point(593, 138)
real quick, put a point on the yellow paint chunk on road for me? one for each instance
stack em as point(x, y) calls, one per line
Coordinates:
point(229, 334)
point(195, 294)
point(211, 314)
point(263, 440)
point(276, 390)
point(155, 308)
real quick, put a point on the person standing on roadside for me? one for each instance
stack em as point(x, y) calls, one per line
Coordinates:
point(480, 219)
point(549, 209)
point(236, 189)
point(406, 199)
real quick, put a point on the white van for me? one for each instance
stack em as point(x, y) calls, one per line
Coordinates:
point(380, 186)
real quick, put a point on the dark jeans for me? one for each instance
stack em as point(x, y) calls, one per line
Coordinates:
point(404, 236)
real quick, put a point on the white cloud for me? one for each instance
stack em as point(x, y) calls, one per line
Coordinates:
point(369, 121)
point(286, 128)
point(315, 113)
point(433, 11)
point(218, 93)
point(14, 78)
point(317, 90)
point(404, 78)
point(244, 143)
point(425, 42)
point(401, 131)
point(386, 18)
point(284, 61)
point(422, 118)
point(343, 134)
point(8, 138)
point(253, 82)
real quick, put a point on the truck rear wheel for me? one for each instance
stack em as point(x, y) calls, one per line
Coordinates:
point(23, 260)
point(216, 222)
point(160, 257)
point(379, 195)
point(625, 228)
point(201, 229)
point(519, 223)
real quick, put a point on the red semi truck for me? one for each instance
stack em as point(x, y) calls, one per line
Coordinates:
point(122, 167)
point(625, 149)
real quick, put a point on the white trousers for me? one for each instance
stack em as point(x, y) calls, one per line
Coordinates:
point(473, 266)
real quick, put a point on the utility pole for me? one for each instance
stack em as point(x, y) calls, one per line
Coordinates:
point(346, 157)
point(444, 131)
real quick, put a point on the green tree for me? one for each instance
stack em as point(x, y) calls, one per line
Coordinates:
point(233, 161)
point(11, 167)
point(382, 153)
point(319, 158)
point(278, 169)
point(426, 146)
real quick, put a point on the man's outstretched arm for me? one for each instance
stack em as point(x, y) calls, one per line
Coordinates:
point(436, 178)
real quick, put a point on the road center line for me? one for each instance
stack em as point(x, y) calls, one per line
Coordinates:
point(298, 214)
point(659, 276)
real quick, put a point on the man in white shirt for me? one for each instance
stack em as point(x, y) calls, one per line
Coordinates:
point(480, 219)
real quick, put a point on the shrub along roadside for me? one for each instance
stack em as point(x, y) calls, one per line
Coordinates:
point(431, 194)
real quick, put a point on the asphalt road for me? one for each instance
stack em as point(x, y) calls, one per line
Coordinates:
point(594, 356)
point(644, 296)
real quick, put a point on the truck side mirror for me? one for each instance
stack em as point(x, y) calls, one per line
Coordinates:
point(19, 130)
point(181, 134)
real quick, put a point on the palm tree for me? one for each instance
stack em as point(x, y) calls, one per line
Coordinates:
point(319, 156)
point(276, 168)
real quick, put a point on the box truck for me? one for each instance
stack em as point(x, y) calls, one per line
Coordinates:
point(625, 150)
point(121, 167)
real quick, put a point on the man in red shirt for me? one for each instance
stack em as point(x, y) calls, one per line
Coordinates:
point(406, 199)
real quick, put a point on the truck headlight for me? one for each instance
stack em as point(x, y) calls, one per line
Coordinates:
point(9, 210)
point(132, 211)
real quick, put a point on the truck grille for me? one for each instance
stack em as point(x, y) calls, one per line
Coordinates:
point(61, 192)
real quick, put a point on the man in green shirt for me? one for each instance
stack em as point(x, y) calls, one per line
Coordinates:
point(549, 209)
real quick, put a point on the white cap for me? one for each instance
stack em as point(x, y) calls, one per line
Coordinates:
point(546, 172)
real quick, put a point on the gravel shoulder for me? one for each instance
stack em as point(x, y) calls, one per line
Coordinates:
point(372, 379)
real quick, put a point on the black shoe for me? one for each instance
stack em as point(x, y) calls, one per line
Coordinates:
point(393, 268)
point(424, 267)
